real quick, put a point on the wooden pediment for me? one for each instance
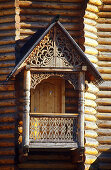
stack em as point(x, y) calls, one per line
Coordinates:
point(53, 47)
point(54, 50)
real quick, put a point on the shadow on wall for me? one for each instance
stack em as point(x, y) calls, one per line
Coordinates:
point(103, 162)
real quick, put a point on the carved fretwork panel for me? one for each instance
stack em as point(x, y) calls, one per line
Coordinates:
point(66, 55)
point(43, 54)
point(54, 50)
point(46, 129)
point(36, 78)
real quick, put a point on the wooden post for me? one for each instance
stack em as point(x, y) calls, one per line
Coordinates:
point(26, 108)
point(81, 82)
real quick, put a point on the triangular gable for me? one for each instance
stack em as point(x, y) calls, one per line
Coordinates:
point(56, 48)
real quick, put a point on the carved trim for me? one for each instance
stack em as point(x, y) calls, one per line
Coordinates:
point(54, 50)
point(37, 78)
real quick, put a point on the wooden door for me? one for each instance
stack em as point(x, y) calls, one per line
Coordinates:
point(49, 96)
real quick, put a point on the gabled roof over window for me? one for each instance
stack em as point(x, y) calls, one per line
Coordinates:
point(56, 44)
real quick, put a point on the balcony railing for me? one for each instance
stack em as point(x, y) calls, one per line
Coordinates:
point(53, 130)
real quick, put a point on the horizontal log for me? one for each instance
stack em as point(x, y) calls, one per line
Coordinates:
point(47, 165)
point(91, 15)
point(7, 5)
point(104, 148)
point(7, 151)
point(90, 28)
point(104, 116)
point(92, 58)
point(104, 14)
point(104, 123)
point(90, 22)
point(104, 132)
point(104, 139)
point(3, 118)
point(90, 35)
point(90, 42)
point(91, 133)
point(7, 135)
point(7, 33)
point(104, 48)
point(7, 143)
point(105, 56)
point(51, 12)
point(90, 118)
point(104, 70)
point(89, 159)
point(103, 109)
point(7, 56)
point(62, 0)
point(8, 102)
point(7, 48)
point(7, 95)
point(7, 12)
point(7, 87)
point(106, 85)
point(95, 2)
point(106, 1)
point(104, 34)
point(68, 26)
point(104, 94)
point(92, 8)
point(105, 7)
point(90, 96)
point(104, 64)
point(91, 142)
point(9, 40)
point(106, 77)
point(92, 89)
point(104, 20)
point(48, 5)
point(90, 125)
point(7, 126)
point(91, 50)
point(7, 109)
point(6, 19)
point(90, 103)
point(8, 63)
point(91, 151)
point(7, 160)
point(90, 110)
point(104, 41)
point(7, 167)
point(40, 18)
point(8, 26)
point(104, 27)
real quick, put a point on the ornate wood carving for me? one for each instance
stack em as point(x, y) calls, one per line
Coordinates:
point(54, 50)
point(36, 78)
point(46, 129)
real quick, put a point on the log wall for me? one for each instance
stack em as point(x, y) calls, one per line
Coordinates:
point(91, 42)
point(104, 94)
point(7, 90)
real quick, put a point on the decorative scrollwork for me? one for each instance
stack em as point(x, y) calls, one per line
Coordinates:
point(42, 55)
point(44, 129)
point(54, 50)
point(65, 50)
point(36, 78)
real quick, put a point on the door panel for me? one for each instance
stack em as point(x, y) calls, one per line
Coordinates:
point(48, 97)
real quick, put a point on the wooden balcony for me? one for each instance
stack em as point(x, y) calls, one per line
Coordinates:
point(53, 130)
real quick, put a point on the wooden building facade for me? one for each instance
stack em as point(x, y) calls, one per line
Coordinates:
point(76, 141)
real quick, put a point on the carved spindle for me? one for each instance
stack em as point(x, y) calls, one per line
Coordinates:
point(26, 108)
point(81, 82)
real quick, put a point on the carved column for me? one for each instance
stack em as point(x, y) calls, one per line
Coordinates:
point(26, 108)
point(81, 82)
